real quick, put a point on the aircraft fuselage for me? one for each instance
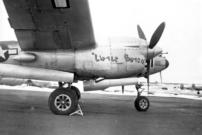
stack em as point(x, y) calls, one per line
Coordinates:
point(109, 62)
point(106, 62)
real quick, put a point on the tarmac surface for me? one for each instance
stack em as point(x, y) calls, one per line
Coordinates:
point(27, 113)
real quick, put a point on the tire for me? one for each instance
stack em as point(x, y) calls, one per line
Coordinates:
point(77, 91)
point(142, 103)
point(63, 101)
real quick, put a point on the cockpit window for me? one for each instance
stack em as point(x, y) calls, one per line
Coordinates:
point(61, 3)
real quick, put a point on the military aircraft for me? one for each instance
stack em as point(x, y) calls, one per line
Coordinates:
point(195, 87)
point(158, 65)
point(57, 42)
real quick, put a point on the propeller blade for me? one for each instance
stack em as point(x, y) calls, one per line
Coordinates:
point(148, 72)
point(140, 33)
point(156, 35)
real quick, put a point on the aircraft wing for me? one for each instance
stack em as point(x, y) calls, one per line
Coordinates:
point(51, 24)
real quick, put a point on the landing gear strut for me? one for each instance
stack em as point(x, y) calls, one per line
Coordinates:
point(64, 101)
point(141, 103)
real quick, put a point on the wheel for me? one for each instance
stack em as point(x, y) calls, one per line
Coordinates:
point(141, 103)
point(63, 101)
point(77, 91)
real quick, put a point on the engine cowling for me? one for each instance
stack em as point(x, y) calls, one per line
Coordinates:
point(17, 71)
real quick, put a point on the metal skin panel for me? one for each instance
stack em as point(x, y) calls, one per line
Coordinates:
point(127, 41)
point(101, 59)
point(119, 67)
point(159, 64)
point(39, 26)
point(84, 64)
point(134, 60)
point(25, 38)
point(19, 16)
point(103, 62)
point(107, 62)
point(34, 73)
point(55, 60)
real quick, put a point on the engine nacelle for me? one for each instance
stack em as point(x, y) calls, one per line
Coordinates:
point(17, 71)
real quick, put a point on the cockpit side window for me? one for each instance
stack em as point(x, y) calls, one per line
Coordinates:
point(61, 3)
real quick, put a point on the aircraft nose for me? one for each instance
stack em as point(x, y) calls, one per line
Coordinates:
point(167, 63)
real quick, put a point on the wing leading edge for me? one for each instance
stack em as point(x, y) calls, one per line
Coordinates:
point(51, 24)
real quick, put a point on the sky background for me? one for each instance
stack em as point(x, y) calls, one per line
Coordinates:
point(182, 38)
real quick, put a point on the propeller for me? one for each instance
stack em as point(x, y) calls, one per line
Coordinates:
point(155, 37)
point(141, 33)
point(153, 41)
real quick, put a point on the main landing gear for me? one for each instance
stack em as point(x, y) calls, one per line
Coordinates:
point(64, 101)
point(141, 103)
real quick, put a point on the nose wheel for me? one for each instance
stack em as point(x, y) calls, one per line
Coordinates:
point(141, 103)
